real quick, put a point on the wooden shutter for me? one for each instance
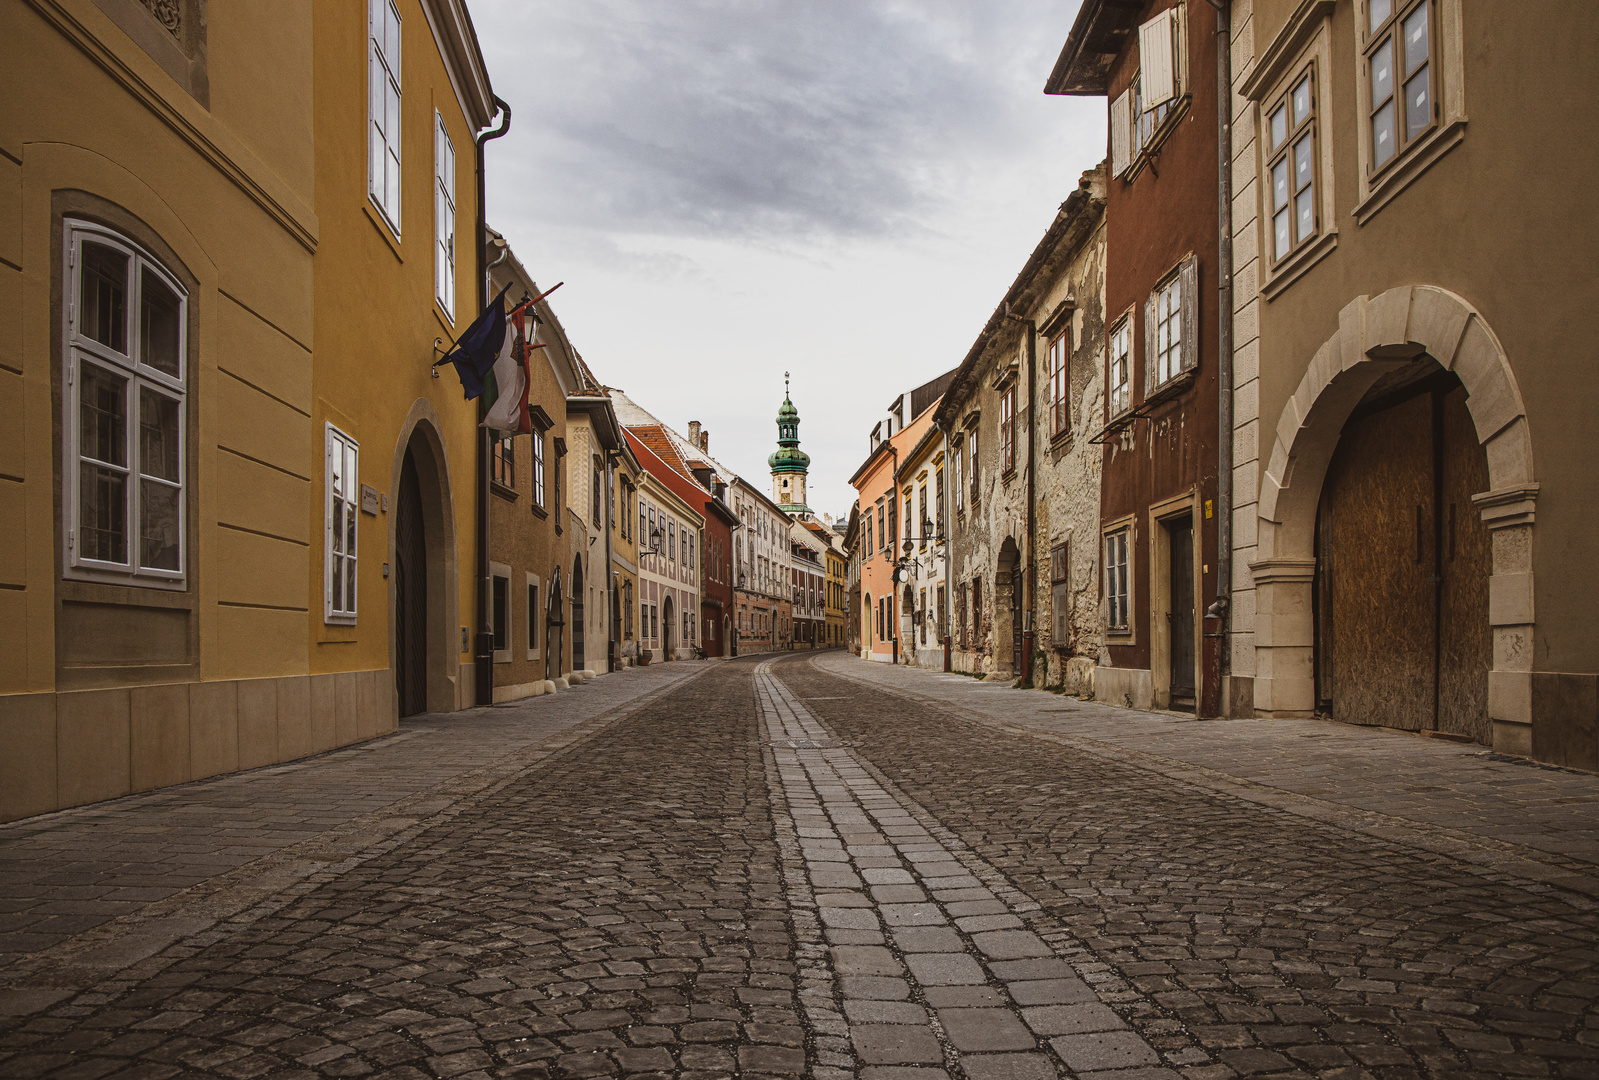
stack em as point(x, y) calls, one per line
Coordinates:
point(1155, 60)
point(1188, 274)
point(1150, 319)
point(1121, 112)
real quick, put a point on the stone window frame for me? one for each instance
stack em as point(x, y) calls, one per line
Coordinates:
point(348, 558)
point(1378, 186)
point(1007, 431)
point(128, 365)
point(534, 589)
point(443, 218)
point(1305, 43)
point(380, 140)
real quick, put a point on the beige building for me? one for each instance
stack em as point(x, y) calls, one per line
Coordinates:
point(668, 571)
point(1415, 477)
point(203, 517)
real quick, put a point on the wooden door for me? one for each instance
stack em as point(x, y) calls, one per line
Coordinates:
point(411, 594)
point(1180, 533)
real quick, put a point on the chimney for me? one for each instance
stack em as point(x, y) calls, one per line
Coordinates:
point(694, 434)
point(705, 442)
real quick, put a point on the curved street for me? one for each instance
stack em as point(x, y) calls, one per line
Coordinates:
point(809, 866)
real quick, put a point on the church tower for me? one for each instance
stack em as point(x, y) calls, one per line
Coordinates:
point(790, 464)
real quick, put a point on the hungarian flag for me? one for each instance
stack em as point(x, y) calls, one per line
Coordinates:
point(508, 380)
point(478, 350)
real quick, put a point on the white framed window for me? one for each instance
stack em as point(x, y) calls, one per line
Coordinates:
point(1118, 595)
point(671, 540)
point(1292, 167)
point(124, 410)
point(1171, 317)
point(1007, 431)
point(958, 460)
point(383, 109)
point(1119, 377)
point(342, 501)
point(1060, 411)
point(534, 617)
point(538, 469)
point(444, 217)
point(688, 547)
point(972, 440)
point(500, 611)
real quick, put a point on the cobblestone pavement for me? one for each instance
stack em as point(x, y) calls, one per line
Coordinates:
point(812, 866)
point(1237, 937)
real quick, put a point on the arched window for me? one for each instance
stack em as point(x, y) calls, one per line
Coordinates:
point(124, 394)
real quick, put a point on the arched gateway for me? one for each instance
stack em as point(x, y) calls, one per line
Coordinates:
point(1404, 460)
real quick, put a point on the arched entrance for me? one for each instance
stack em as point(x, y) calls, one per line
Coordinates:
point(578, 656)
point(423, 648)
point(410, 594)
point(555, 629)
point(1345, 436)
point(1008, 609)
point(668, 642)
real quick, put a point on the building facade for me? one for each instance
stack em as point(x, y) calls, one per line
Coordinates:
point(763, 606)
point(203, 211)
point(624, 556)
point(669, 576)
point(1414, 493)
point(1156, 64)
point(924, 591)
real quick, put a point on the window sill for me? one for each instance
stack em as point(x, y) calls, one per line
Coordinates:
point(1008, 475)
point(382, 227)
point(1062, 439)
point(539, 511)
point(1172, 387)
point(504, 491)
point(1295, 266)
point(502, 656)
point(1157, 139)
point(77, 587)
point(1415, 161)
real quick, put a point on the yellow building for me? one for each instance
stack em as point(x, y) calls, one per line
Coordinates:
point(188, 227)
point(837, 617)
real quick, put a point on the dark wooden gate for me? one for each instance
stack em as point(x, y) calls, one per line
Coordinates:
point(1181, 534)
point(1403, 560)
point(411, 594)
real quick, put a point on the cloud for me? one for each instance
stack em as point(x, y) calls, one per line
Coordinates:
point(769, 120)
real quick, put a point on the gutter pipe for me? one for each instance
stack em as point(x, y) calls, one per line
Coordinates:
point(1217, 618)
point(483, 654)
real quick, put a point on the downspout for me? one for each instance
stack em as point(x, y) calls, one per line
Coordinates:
point(1027, 569)
point(483, 655)
point(613, 635)
point(1217, 617)
point(893, 549)
point(946, 616)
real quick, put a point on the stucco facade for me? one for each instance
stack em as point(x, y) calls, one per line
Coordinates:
point(205, 180)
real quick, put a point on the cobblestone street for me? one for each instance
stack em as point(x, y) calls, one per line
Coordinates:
point(816, 866)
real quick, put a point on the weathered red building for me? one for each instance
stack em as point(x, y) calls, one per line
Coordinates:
point(1156, 64)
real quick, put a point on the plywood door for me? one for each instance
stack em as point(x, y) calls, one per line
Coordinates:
point(1465, 648)
point(1181, 615)
point(1377, 506)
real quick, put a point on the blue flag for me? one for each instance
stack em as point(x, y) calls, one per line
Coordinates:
point(476, 350)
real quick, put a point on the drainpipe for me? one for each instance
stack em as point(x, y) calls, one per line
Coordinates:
point(1027, 569)
point(1217, 654)
point(946, 616)
point(483, 655)
point(893, 549)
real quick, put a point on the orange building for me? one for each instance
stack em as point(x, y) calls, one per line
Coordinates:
point(883, 524)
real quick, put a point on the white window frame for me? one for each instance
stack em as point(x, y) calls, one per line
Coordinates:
point(1118, 545)
point(538, 469)
point(1171, 327)
point(79, 350)
point(535, 593)
point(1119, 366)
point(443, 218)
point(501, 572)
point(384, 116)
point(1060, 417)
point(344, 610)
point(958, 458)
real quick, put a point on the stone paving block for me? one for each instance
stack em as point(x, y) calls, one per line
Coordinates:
point(865, 960)
point(927, 939)
point(849, 918)
point(873, 988)
point(782, 1060)
point(1010, 945)
point(945, 969)
point(896, 1044)
point(985, 1030)
point(888, 876)
point(1051, 968)
point(912, 914)
point(885, 1012)
point(1103, 1050)
point(1008, 1067)
point(898, 894)
point(1071, 1019)
point(977, 923)
point(956, 997)
point(902, 1072)
point(1050, 992)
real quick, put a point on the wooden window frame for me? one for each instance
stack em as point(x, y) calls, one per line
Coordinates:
point(1060, 391)
point(1007, 431)
point(502, 462)
point(336, 505)
point(1120, 398)
point(443, 218)
point(385, 71)
point(1390, 31)
point(1118, 534)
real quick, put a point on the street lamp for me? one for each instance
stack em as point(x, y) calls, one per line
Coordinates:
point(656, 541)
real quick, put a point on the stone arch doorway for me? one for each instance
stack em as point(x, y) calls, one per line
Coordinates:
point(422, 590)
point(668, 637)
point(555, 629)
point(1008, 609)
point(579, 657)
point(1387, 346)
point(868, 613)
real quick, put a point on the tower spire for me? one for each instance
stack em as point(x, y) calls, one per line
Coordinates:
point(790, 464)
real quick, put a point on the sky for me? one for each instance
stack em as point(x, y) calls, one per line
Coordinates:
point(732, 189)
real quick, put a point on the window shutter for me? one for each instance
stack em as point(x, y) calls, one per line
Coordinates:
point(1149, 344)
point(1155, 59)
point(1188, 274)
point(1120, 133)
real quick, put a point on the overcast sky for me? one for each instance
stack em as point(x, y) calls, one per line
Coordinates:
point(729, 190)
